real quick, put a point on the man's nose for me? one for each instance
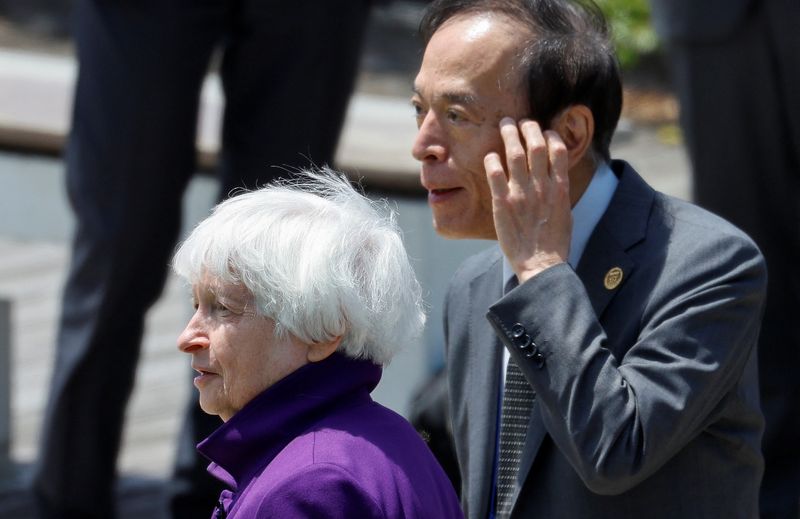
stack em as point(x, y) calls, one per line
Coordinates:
point(193, 337)
point(429, 143)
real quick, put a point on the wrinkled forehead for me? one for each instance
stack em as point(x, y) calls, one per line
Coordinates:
point(479, 46)
point(477, 52)
point(481, 34)
point(213, 284)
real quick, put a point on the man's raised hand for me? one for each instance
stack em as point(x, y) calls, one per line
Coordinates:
point(530, 197)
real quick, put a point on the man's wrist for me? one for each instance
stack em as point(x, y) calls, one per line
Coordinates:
point(528, 270)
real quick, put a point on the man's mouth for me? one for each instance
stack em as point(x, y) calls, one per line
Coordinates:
point(441, 195)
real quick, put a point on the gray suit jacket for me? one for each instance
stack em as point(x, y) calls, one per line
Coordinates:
point(647, 396)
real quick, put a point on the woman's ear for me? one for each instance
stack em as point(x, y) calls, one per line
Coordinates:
point(318, 351)
point(575, 125)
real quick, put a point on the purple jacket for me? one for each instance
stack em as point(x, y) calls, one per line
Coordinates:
point(316, 445)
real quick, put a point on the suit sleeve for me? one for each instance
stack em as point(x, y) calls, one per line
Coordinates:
point(618, 420)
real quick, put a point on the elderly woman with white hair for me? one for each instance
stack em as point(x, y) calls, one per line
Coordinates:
point(302, 292)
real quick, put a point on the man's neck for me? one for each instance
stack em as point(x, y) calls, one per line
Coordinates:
point(579, 178)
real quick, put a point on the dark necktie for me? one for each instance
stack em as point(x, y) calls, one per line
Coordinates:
point(518, 398)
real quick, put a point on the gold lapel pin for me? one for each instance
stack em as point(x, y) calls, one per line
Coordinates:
point(613, 278)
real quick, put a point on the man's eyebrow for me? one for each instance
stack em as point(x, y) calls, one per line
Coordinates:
point(453, 97)
point(460, 98)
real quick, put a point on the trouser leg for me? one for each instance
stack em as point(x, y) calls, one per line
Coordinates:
point(288, 76)
point(130, 154)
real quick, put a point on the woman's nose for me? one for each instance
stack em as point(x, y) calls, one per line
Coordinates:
point(193, 336)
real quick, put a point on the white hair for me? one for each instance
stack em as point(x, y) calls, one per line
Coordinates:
point(319, 258)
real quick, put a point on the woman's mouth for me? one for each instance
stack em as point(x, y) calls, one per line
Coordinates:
point(203, 377)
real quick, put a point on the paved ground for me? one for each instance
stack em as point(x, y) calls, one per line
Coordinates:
point(35, 225)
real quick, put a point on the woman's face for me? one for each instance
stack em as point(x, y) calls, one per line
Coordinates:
point(233, 349)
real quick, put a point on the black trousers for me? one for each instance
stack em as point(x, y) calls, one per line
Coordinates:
point(740, 110)
point(287, 69)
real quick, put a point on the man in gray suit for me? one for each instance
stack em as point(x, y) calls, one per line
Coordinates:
point(602, 357)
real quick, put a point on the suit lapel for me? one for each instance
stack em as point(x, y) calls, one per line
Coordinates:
point(608, 259)
point(485, 357)
point(605, 265)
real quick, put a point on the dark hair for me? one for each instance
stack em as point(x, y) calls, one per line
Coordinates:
point(569, 60)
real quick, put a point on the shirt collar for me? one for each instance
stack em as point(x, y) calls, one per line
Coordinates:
point(585, 215)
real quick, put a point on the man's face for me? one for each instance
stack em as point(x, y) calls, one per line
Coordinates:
point(468, 81)
point(233, 349)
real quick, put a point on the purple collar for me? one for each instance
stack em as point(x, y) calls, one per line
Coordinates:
point(262, 428)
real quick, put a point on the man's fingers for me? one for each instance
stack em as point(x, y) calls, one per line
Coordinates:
point(558, 157)
point(516, 158)
point(536, 148)
point(496, 175)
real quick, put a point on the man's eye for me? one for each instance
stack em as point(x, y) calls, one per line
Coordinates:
point(454, 117)
point(419, 112)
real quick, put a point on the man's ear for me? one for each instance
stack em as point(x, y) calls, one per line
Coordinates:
point(318, 351)
point(575, 125)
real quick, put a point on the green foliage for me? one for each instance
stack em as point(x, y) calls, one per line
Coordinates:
point(634, 36)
